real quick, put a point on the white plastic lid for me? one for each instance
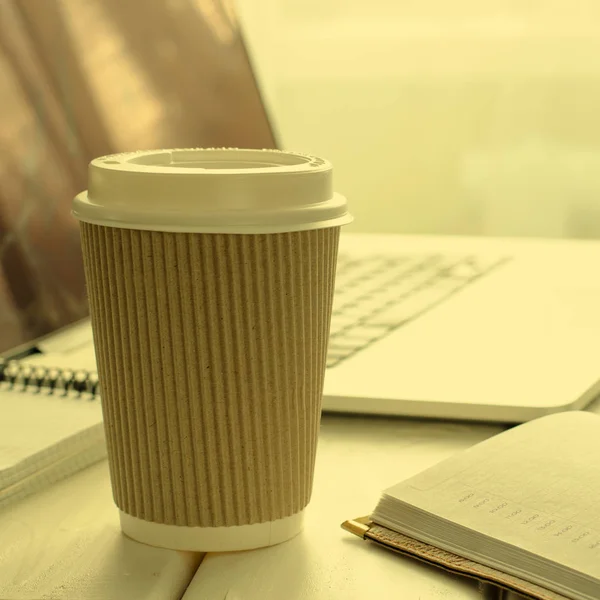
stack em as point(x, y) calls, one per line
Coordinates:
point(212, 191)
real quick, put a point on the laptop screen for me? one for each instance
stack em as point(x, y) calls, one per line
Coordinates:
point(84, 79)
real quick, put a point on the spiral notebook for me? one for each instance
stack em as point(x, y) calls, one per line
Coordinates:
point(50, 426)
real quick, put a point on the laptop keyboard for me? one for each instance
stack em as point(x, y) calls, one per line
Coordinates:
point(374, 296)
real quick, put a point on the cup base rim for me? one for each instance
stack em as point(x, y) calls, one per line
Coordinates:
point(212, 539)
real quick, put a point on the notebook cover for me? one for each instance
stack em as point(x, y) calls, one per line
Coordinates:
point(432, 555)
point(53, 473)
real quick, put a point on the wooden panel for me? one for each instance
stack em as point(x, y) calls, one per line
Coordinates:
point(66, 543)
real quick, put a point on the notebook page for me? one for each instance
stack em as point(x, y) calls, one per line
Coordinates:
point(84, 359)
point(36, 427)
point(77, 337)
point(535, 486)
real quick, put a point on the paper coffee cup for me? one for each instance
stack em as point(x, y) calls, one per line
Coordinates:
point(210, 277)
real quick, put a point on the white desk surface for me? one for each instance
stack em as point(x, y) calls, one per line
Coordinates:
point(358, 457)
point(65, 542)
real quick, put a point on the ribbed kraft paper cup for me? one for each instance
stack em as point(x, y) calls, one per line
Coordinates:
point(211, 345)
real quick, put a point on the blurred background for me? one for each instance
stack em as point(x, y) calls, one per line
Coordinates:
point(464, 117)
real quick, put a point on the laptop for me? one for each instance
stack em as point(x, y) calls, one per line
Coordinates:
point(456, 328)
point(460, 328)
point(464, 328)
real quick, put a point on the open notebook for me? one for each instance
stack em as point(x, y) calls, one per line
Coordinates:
point(521, 509)
point(50, 427)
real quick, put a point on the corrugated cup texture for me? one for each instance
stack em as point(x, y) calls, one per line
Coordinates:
point(211, 356)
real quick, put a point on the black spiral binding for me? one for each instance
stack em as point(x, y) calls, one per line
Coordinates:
point(32, 378)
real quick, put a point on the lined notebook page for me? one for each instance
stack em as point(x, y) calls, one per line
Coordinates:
point(535, 486)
